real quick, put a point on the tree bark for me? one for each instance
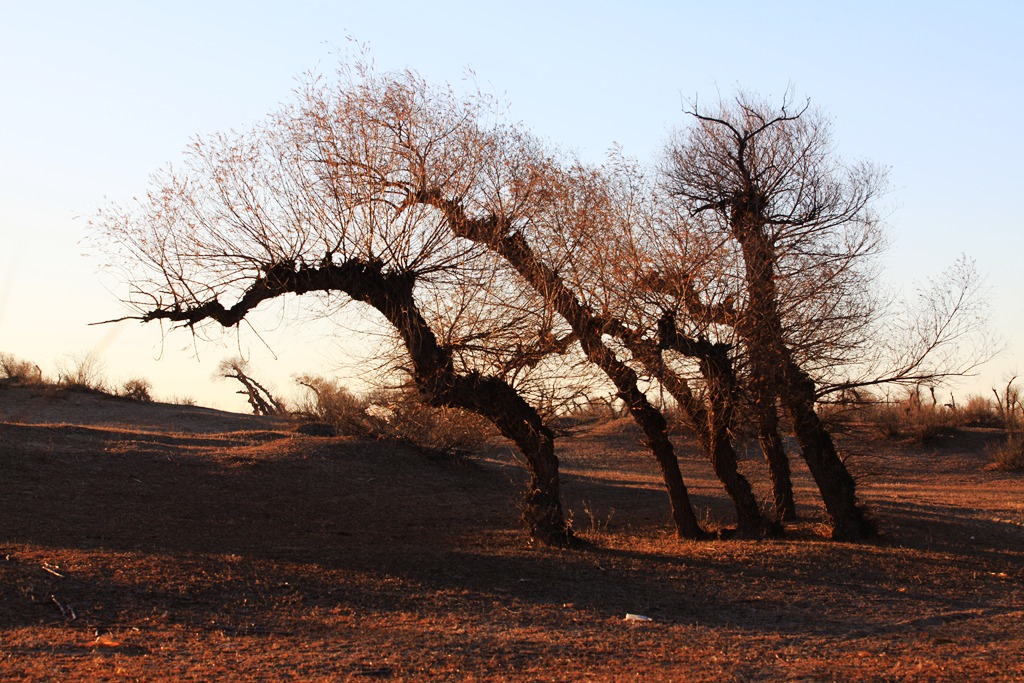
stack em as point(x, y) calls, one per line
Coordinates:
point(774, 452)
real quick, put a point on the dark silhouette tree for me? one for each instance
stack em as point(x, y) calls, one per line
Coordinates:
point(414, 147)
point(769, 180)
point(250, 221)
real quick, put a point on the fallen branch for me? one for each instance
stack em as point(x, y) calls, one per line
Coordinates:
point(67, 610)
point(51, 570)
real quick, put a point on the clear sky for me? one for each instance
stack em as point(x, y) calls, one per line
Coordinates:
point(95, 96)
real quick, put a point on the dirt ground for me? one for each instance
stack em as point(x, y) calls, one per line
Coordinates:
point(153, 542)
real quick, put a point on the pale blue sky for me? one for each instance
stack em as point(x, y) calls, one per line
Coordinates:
point(95, 96)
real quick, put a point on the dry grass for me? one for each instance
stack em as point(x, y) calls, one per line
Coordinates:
point(1009, 455)
point(398, 415)
point(239, 551)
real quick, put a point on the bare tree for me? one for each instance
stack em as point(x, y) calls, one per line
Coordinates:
point(768, 179)
point(606, 252)
point(252, 218)
point(260, 399)
point(414, 147)
point(936, 336)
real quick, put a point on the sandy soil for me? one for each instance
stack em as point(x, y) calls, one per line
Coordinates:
point(152, 542)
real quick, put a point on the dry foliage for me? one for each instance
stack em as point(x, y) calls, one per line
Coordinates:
point(83, 372)
point(19, 371)
point(137, 389)
point(749, 254)
point(330, 402)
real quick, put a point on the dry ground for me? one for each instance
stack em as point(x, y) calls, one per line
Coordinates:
point(160, 542)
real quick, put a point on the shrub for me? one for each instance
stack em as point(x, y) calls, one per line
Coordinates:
point(330, 402)
point(912, 418)
point(82, 373)
point(400, 415)
point(19, 371)
point(137, 389)
point(588, 413)
point(1009, 456)
point(979, 411)
point(404, 416)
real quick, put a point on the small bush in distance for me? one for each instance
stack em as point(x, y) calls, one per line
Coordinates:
point(19, 371)
point(912, 417)
point(397, 414)
point(330, 402)
point(979, 411)
point(82, 373)
point(137, 389)
point(403, 415)
point(1009, 455)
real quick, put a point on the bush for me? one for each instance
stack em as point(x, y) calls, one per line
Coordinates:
point(19, 371)
point(980, 412)
point(404, 416)
point(400, 415)
point(137, 389)
point(912, 418)
point(82, 373)
point(330, 402)
point(1009, 456)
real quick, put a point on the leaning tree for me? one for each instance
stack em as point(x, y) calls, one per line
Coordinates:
point(252, 218)
point(769, 180)
point(599, 233)
point(492, 186)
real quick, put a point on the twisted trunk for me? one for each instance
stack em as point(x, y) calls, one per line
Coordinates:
point(433, 368)
point(712, 422)
point(768, 438)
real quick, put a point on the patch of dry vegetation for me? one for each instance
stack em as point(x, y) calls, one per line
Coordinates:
point(399, 415)
point(83, 374)
point(1010, 455)
point(18, 371)
point(920, 417)
point(262, 555)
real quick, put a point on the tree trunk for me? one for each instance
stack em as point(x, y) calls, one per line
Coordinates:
point(433, 367)
point(712, 422)
point(775, 455)
point(721, 382)
point(652, 422)
point(837, 486)
point(489, 396)
point(777, 373)
point(519, 422)
point(500, 238)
